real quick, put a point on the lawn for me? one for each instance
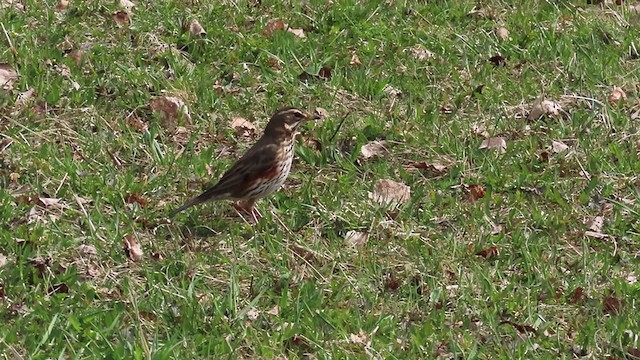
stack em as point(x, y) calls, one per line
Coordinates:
point(471, 192)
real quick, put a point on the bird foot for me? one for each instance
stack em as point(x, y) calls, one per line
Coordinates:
point(247, 208)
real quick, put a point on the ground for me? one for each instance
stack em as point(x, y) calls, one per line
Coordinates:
point(470, 193)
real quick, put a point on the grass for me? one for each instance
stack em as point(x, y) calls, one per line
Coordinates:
point(211, 286)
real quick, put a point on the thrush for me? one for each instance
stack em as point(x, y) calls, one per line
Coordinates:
point(262, 169)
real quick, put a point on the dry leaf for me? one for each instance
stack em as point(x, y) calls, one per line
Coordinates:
point(617, 95)
point(132, 248)
point(356, 238)
point(196, 29)
point(374, 148)
point(542, 107)
point(421, 53)
point(87, 250)
point(497, 142)
point(596, 224)
point(273, 26)
point(502, 33)
point(7, 76)
point(474, 192)
point(559, 146)
point(498, 60)
point(3, 260)
point(361, 338)
point(24, 97)
point(171, 109)
point(181, 135)
point(479, 130)
point(252, 314)
point(63, 4)
point(488, 253)
point(355, 60)
point(596, 235)
point(14, 177)
point(389, 192)
point(274, 311)
point(612, 305)
point(392, 91)
point(297, 32)
point(134, 198)
point(522, 328)
point(431, 169)
point(321, 113)
point(577, 296)
point(121, 18)
point(243, 127)
point(50, 203)
point(136, 123)
point(127, 5)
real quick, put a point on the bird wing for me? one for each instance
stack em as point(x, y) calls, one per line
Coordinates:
point(258, 161)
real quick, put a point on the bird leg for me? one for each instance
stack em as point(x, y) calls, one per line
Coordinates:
point(248, 208)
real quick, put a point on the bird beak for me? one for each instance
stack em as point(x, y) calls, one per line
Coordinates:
point(315, 116)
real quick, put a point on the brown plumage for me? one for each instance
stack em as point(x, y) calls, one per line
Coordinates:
point(262, 169)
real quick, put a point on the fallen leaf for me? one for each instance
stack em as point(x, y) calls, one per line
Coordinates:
point(631, 278)
point(559, 147)
point(273, 26)
point(634, 353)
point(297, 32)
point(498, 60)
point(496, 229)
point(474, 192)
point(7, 76)
point(389, 192)
point(420, 53)
point(596, 224)
point(356, 238)
point(181, 135)
point(577, 296)
point(431, 169)
point(274, 311)
point(361, 338)
point(127, 5)
point(132, 248)
point(196, 29)
point(121, 17)
point(58, 289)
point(391, 281)
point(502, 33)
point(479, 130)
point(373, 149)
point(172, 109)
point(87, 250)
point(3, 260)
point(136, 123)
point(321, 113)
point(522, 328)
point(612, 305)
point(355, 60)
point(148, 315)
point(14, 177)
point(488, 253)
point(24, 97)
point(252, 314)
point(542, 107)
point(63, 4)
point(497, 142)
point(50, 203)
point(392, 91)
point(617, 95)
point(134, 198)
point(596, 235)
point(243, 127)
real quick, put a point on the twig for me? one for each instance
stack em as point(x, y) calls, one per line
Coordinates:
point(339, 126)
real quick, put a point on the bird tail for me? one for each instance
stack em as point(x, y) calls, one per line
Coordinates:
point(211, 194)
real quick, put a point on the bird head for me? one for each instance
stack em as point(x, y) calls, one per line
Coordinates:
point(287, 120)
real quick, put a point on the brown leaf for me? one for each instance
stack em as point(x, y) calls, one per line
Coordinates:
point(127, 5)
point(474, 192)
point(196, 29)
point(24, 97)
point(7, 76)
point(58, 289)
point(522, 328)
point(361, 338)
point(634, 353)
point(132, 248)
point(392, 91)
point(172, 109)
point(181, 135)
point(121, 17)
point(273, 26)
point(431, 169)
point(489, 253)
point(497, 142)
point(542, 107)
point(87, 250)
point(596, 224)
point(134, 198)
point(136, 123)
point(389, 192)
point(559, 146)
point(373, 149)
point(391, 282)
point(420, 53)
point(617, 95)
point(577, 296)
point(63, 4)
point(479, 130)
point(297, 32)
point(355, 60)
point(356, 238)
point(498, 60)
point(502, 33)
point(243, 127)
point(612, 305)
point(50, 203)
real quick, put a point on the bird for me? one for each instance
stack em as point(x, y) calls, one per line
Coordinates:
point(262, 169)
